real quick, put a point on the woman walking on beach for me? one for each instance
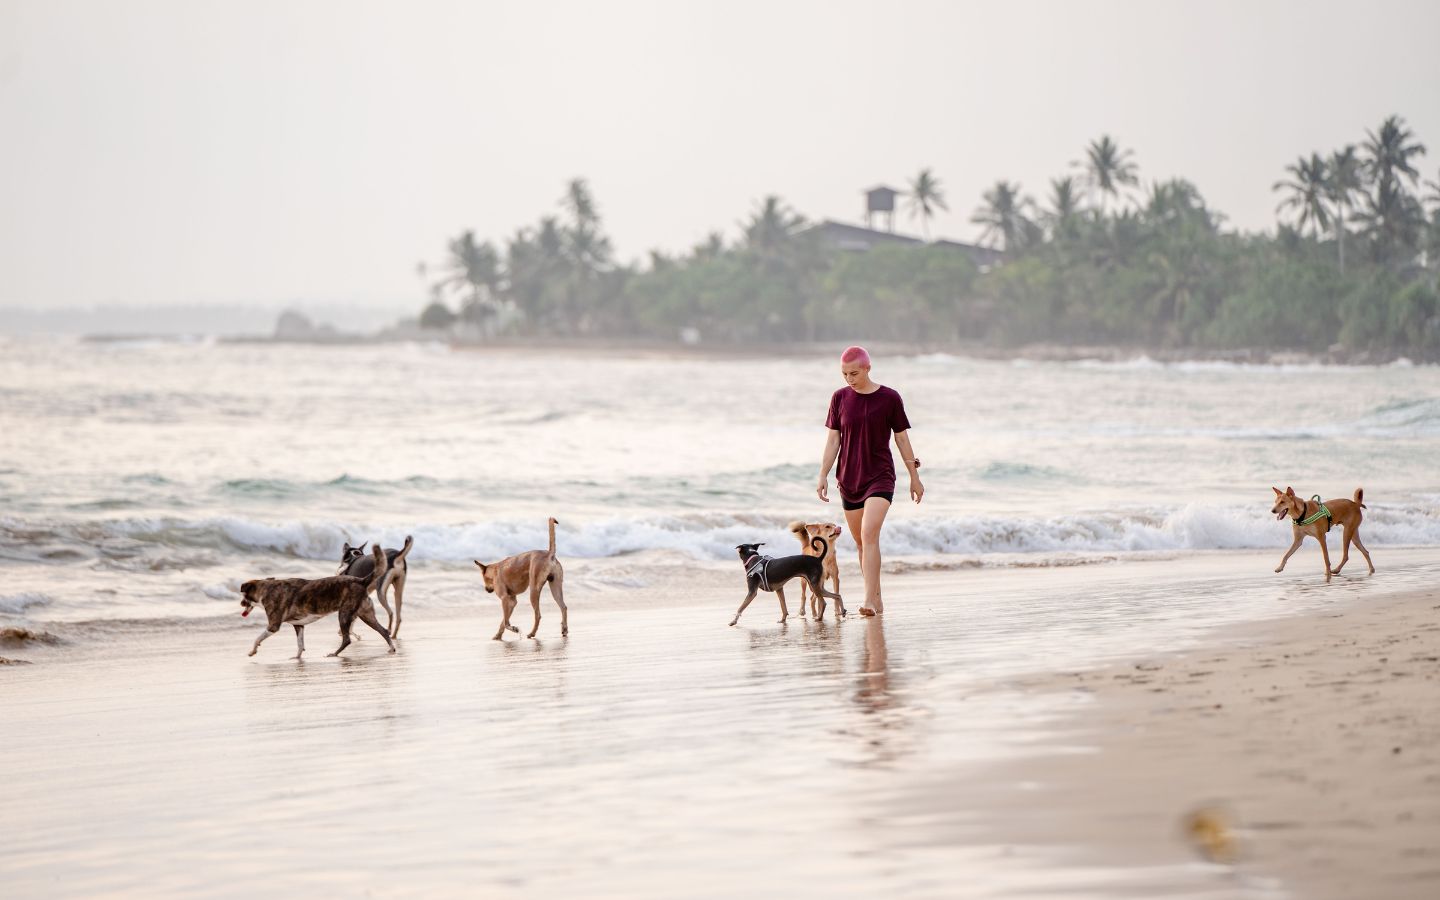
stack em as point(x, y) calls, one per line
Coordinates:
point(862, 417)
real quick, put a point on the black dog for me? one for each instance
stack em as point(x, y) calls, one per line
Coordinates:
point(767, 574)
point(354, 561)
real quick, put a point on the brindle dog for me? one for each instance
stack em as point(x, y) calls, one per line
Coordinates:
point(354, 561)
point(301, 601)
point(1345, 513)
point(527, 571)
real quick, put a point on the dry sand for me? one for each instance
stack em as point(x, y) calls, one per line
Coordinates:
point(1312, 744)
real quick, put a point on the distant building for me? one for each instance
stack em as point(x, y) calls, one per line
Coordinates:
point(858, 239)
point(880, 199)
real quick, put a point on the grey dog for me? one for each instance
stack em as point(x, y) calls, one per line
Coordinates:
point(354, 561)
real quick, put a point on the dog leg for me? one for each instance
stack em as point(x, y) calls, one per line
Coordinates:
point(299, 641)
point(534, 605)
point(838, 603)
point(367, 615)
point(380, 590)
point(744, 603)
point(507, 606)
point(1344, 552)
point(347, 618)
point(263, 635)
point(784, 612)
point(801, 613)
point(1325, 554)
point(1299, 536)
point(1356, 538)
point(557, 593)
point(399, 601)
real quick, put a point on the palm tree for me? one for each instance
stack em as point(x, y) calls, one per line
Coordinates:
point(1005, 216)
point(1392, 218)
point(1064, 208)
point(710, 248)
point(1346, 182)
point(476, 266)
point(1309, 189)
point(771, 225)
point(580, 203)
point(1389, 152)
point(925, 198)
point(1108, 168)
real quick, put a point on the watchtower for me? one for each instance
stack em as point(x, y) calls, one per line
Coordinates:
point(880, 199)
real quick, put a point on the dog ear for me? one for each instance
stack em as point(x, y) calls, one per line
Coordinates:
point(1277, 491)
point(479, 563)
point(1289, 491)
point(247, 587)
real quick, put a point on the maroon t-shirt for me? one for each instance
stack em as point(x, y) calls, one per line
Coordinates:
point(865, 422)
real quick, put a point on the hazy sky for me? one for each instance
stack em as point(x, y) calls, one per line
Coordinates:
point(268, 152)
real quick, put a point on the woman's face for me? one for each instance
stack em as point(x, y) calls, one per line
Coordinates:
point(855, 374)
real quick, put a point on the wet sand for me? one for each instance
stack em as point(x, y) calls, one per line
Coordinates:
point(656, 752)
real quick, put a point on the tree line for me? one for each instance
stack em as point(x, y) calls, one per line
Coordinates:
point(1105, 258)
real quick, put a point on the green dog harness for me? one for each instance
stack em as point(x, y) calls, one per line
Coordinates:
point(1321, 513)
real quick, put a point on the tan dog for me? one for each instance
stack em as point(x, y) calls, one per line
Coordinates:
point(827, 532)
point(527, 571)
point(1345, 513)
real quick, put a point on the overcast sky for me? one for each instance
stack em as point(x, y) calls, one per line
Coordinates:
point(272, 152)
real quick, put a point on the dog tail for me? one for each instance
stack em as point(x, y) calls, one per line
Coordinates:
point(824, 547)
point(400, 557)
point(382, 565)
point(553, 523)
point(1360, 498)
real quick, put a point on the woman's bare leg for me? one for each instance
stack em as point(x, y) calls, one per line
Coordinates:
point(853, 519)
point(871, 521)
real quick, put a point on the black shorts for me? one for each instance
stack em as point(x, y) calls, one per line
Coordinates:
point(887, 496)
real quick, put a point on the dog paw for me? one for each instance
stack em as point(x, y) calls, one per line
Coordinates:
point(1279, 570)
point(252, 652)
point(732, 622)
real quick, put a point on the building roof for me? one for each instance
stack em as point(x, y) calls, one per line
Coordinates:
point(844, 236)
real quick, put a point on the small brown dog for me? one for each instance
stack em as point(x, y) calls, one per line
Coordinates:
point(827, 532)
point(1346, 513)
point(527, 571)
point(301, 601)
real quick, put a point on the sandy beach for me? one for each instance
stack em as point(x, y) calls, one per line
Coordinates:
point(1309, 744)
point(656, 752)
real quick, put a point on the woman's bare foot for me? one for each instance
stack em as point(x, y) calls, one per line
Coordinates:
point(867, 612)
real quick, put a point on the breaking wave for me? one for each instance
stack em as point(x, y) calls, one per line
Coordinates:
point(132, 542)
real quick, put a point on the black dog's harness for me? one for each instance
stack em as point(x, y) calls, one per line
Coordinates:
point(759, 567)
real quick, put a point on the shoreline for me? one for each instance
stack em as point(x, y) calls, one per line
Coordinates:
point(636, 346)
point(1309, 746)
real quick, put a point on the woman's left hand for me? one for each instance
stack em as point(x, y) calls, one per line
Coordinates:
point(917, 490)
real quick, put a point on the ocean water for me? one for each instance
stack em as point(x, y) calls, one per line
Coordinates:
point(146, 480)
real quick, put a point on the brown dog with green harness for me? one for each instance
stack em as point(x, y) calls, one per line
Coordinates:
point(1316, 518)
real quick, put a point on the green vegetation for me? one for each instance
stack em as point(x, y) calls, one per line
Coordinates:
point(1354, 260)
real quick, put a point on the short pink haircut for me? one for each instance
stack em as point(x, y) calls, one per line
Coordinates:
point(855, 355)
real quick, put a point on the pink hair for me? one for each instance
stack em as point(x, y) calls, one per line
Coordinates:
point(855, 355)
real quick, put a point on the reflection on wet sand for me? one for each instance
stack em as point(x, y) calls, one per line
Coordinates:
point(884, 724)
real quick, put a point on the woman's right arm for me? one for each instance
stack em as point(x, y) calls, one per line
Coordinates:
point(832, 450)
